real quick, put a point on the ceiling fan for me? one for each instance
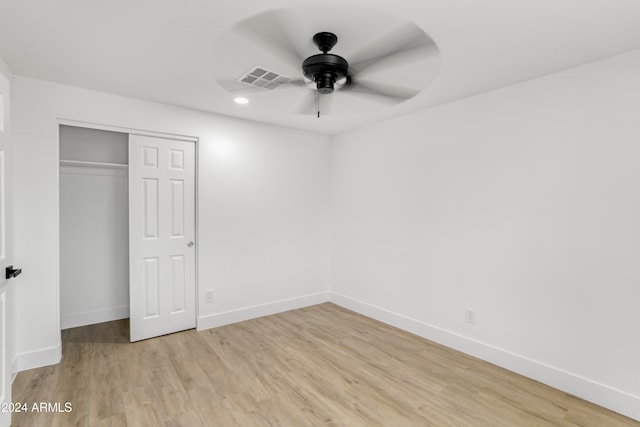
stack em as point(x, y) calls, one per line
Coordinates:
point(326, 73)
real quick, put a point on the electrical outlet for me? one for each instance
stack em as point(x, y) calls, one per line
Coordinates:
point(208, 296)
point(470, 316)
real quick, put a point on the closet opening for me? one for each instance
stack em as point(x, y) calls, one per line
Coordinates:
point(94, 226)
point(127, 230)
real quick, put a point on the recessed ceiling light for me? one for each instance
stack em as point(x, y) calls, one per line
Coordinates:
point(241, 100)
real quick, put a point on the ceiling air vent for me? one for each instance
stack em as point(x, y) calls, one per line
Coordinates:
point(266, 79)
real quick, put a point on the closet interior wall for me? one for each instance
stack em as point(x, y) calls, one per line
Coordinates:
point(94, 226)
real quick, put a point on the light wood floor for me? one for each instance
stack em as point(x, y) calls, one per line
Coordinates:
point(317, 366)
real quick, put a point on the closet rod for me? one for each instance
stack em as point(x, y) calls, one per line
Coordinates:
point(93, 164)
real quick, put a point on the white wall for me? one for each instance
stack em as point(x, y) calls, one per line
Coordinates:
point(263, 197)
point(93, 145)
point(523, 204)
point(94, 245)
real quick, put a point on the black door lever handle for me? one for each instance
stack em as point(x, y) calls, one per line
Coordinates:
point(12, 272)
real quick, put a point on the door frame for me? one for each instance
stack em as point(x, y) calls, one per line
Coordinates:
point(121, 129)
point(8, 356)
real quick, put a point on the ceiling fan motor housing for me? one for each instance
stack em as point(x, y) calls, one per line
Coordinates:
point(325, 68)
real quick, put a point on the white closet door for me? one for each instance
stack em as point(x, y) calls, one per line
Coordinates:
point(161, 236)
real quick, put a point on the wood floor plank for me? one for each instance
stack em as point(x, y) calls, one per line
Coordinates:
point(317, 366)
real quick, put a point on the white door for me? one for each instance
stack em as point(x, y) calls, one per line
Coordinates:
point(6, 309)
point(161, 236)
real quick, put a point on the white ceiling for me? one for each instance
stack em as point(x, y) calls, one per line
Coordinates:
point(176, 52)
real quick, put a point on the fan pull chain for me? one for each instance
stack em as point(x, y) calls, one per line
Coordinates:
point(318, 102)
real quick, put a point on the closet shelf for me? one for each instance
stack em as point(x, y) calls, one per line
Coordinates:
point(93, 164)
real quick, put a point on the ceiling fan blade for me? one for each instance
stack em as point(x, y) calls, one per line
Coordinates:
point(404, 44)
point(326, 104)
point(267, 32)
point(382, 92)
point(232, 85)
point(316, 104)
point(309, 105)
point(295, 83)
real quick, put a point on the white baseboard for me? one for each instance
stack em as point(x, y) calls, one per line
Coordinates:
point(92, 317)
point(592, 391)
point(38, 358)
point(234, 316)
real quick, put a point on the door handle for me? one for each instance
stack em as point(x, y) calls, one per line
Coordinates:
point(12, 272)
point(190, 244)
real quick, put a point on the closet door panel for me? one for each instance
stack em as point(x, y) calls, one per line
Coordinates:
point(162, 229)
point(178, 283)
point(177, 208)
point(150, 208)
